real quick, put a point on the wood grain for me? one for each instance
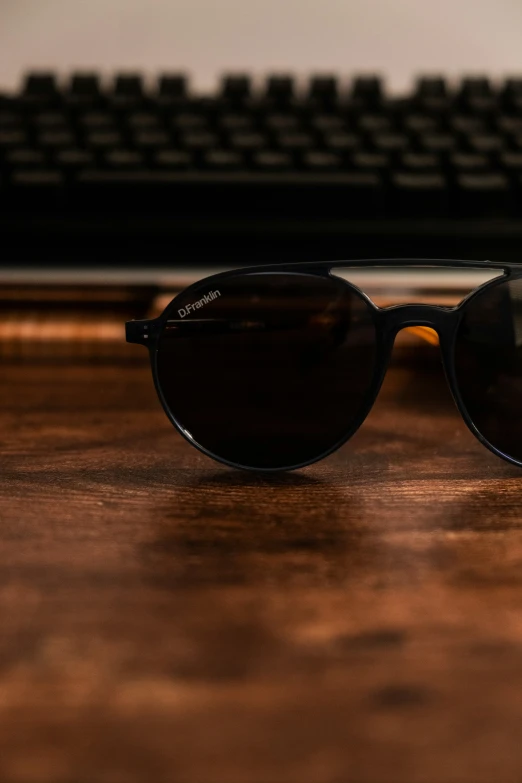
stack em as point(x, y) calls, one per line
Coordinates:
point(167, 619)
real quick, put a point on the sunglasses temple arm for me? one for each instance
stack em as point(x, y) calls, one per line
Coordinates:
point(141, 332)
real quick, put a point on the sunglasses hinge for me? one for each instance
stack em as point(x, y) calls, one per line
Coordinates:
point(139, 332)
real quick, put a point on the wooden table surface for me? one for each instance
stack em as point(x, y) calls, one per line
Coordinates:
point(164, 618)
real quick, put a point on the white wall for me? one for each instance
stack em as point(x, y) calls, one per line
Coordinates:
point(399, 37)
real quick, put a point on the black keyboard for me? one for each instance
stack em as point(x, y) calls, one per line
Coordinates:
point(124, 172)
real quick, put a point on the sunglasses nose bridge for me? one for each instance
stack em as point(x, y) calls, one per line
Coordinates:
point(402, 316)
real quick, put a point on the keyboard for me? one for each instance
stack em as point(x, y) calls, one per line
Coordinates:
point(129, 172)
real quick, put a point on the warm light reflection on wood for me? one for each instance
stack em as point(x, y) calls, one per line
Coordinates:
point(59, 330)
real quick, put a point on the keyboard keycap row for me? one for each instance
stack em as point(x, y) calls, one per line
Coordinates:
point(337, 141)
point(331, 148)
point(345, 194)
point(193, 117)
point(128, 87)
point(248, 157)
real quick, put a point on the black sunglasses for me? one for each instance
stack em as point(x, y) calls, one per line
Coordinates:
point(275, 367)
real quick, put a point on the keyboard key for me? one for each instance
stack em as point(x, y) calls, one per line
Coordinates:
point(465, 161)
point(51, 120)
point(486, 143)
point(420, 123)
point(267, 191)
point(413, 181)
point(482, 194)
point(509, 124)
point(43, 179)
point(511, 94)
point(323, 89)
point(513, 85)
point(123, 159)
point(85, 85)
point(248, 141)
point(374, 123)
point(41, 190)
point(270, 161)
point(12, 138)
point(25, 158)
point(432, 93)
point(103, 139)
point(467, 123)
point(317, 160)
point(437, 142)
point(328, 122)
point(40, 84)
point(295, 141)
point(279, 122)
point(172, 85)
point(129, 85)
point(56, 139)
point(431, 87)
point(477, 94)
point(483, 104)
point(72, 159)
point(151, 138)
point(511, 161)
point(342, 141)
point(171, 159)
point(10, 120)
point(125, 191)
point(361, 194)
point(419, 194)
point(97, 120)
point(367, 89)
point(280, 88)
point(236, 87)
point(370, 160)
point(141, 120)
point(223, 160)
point(83, 90)
point(189, 121)
point(233, 122)
point(475, 87)
point(390, 142)
point(417, 161)
point(199, 140)
point(127, 93)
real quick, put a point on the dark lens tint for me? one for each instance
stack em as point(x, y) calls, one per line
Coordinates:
point(268, 370)
point(488, 365)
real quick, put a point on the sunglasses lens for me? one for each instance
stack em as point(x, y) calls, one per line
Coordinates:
point(268, 371)
point(488, 365)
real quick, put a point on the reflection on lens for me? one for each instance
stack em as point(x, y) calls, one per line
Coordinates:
point(488, 365)
point(268, 370)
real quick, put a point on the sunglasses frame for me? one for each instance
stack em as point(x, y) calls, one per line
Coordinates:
point(388, 322)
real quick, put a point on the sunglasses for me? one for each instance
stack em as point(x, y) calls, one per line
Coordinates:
point(275, 367)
